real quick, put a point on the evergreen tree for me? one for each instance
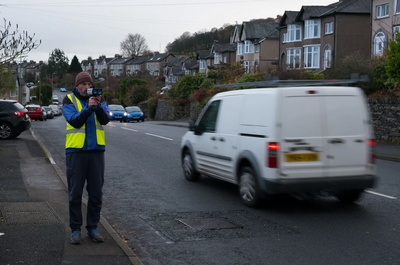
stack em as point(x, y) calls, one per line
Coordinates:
point(58, 63)
point(75, 66)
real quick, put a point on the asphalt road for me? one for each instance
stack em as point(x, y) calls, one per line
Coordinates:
point(151, 205)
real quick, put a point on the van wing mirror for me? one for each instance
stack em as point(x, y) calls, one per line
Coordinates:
point(192, 125)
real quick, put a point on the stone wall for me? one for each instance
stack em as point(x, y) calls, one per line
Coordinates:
point(385, 114)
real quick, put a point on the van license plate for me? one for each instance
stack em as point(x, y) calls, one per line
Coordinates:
point(302, 157)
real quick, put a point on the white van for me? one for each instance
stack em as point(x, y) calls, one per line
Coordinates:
point(284, 140)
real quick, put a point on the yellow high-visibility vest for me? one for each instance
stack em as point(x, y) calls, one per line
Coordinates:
point(76, 137)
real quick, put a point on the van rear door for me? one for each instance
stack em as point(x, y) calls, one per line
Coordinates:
point(302, 150)
point(347, 132)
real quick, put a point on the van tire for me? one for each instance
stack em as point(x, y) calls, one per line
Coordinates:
point(189, 171)
point(248, 188)
point(349, 196)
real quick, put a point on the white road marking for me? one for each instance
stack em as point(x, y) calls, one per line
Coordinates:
point(112, 125)
point(383, 195)
point(169, 139)
point(129, 129)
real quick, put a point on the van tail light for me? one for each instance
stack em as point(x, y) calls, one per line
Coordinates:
point(272, 159)
point(19, 113)
point(371, 155)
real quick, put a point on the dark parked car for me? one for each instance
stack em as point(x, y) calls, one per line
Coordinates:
point(14, 119)
point(117, 112)
point(134, 114)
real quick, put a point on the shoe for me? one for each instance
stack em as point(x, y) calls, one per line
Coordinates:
point(75, 238)
point(95, 236)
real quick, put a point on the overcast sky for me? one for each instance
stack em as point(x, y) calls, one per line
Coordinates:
point(97, 27)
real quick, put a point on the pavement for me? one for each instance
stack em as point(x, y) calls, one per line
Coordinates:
point(34, 226)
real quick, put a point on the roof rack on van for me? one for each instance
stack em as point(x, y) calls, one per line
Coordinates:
point(295, 83)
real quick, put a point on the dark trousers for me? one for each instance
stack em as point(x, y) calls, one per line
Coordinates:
point(85, 167)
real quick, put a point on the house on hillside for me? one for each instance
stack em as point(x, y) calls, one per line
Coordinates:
point(88, 65)
point(155, 65)
point(385, 23)
point(100, 66)
point(191, 67)
point(223, 53)
point(257, 45)
point(117, 65)
point(316, 36)
point(205, 59)
point(136, 66)
point(173, 70)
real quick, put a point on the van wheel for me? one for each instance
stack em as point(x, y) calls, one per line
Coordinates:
point(349, 196)
point(6, 131)
point(189, 171)
point(249, 192)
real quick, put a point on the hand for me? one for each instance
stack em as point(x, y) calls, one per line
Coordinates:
point(94, 101)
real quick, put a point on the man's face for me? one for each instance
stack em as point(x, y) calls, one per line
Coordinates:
point(82, 87)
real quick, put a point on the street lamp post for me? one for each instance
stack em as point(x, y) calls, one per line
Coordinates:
point(52, 86)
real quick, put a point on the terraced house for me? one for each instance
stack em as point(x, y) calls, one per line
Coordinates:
point(385, 23)
point(316, 36)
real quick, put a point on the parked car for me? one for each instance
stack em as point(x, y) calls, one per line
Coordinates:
point(117, 112)
point(56, 109)
point(63, 90)
point(284, 140)
point(35, 112)
point(14, 119)
point(49, 111)
point(134, 113)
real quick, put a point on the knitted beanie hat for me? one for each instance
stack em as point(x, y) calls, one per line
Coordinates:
point(83, 77)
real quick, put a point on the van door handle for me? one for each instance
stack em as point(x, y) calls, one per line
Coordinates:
point(213, 138)
point(222, 139)
point(336, 141)
point(359, 140)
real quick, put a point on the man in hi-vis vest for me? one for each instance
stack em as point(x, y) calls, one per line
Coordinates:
point(84, 149)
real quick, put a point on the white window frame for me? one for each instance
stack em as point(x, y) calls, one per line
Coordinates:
point(327, 57)
point(293, 56)
point(258, 47)
point(396, 7)
point(202, 64)
point(379, 43)
point(248, 47)
point(224, 60)
point(293, 33)
point(311, 56)
point(284, 37)
point(312, 29)
point(329, 28)
point(395, 30)
point(217, 58)
point(248, 66)
point(240, 48)
point(382, 11)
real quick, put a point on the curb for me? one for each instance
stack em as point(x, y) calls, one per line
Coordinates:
point(128, 252)
point(388, 158)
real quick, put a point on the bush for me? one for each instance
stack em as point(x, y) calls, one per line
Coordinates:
point(251, 78)
point(189, 83)
point(152, 103)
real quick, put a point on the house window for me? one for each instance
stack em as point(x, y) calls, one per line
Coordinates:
point(202, 64)
point(284, 37)
point(397, 6)
point(329, 28)
point(382, 11)
point(293, 58)
point(258, 48)
point(217, 58)
point(224, 58)
point(379, 43)
point(327, 57)
point(396, 29)
point(312, 28)
point(311, 56)
point(240, 48)
point(248, 47)
point(248, 66)
point(293, 33)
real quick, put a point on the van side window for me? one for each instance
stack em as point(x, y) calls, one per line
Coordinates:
point(209, 120)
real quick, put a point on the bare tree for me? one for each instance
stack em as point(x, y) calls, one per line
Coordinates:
point(14, 44)
point(134, 45)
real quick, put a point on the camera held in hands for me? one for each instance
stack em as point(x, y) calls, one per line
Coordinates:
point(92, 92)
